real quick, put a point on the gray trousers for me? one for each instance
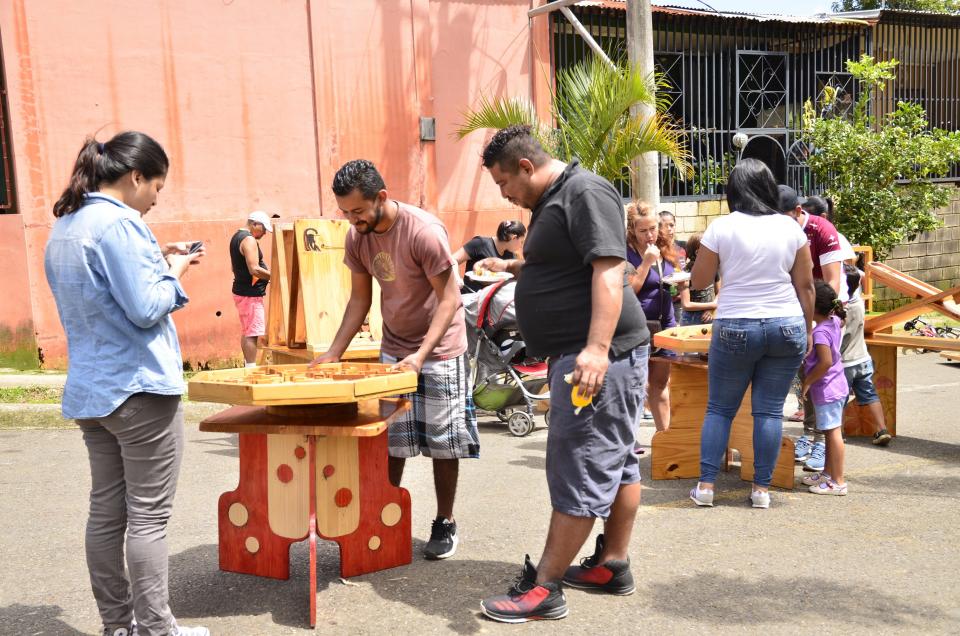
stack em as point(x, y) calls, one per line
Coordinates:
point(135, 455)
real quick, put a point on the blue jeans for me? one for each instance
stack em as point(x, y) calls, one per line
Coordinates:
point(764, 352)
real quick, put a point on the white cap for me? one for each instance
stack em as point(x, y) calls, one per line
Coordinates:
point(262, 218)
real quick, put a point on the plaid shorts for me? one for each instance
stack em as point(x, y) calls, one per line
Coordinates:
point(443, 421)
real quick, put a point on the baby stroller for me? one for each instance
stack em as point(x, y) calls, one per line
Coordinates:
point(503, 377)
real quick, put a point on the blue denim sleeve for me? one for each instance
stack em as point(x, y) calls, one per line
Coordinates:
point(136, 273)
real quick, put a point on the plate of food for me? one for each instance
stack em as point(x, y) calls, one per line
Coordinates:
point(676, 277)
point(486, 276)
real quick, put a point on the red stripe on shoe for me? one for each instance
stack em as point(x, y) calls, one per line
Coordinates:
point(598, 575)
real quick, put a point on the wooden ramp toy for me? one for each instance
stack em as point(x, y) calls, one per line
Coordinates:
point(927, 298)
point(675, 453)
point(309, 290)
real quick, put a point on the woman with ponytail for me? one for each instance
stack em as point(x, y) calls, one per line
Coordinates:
point(115, 289)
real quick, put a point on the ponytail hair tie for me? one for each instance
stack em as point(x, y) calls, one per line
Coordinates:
point(837, 304)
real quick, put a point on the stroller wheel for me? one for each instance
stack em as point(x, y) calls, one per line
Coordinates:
point(520, 423)
point(546, 417)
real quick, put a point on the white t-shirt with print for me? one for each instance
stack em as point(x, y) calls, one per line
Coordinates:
point(756, 254)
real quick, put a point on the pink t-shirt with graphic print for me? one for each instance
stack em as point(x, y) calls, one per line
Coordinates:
point(403, 259)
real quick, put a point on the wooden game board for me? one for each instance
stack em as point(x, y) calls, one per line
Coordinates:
point(688, 339)
point(298, 384)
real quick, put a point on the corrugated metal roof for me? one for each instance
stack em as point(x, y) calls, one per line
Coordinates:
point(863, 17)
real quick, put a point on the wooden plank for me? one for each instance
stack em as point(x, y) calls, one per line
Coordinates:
point(324, 280)
point(338, 486)
point(910, 286)
point(915, 342)
point(915, 308)
point(372, 418)
point(278, 307)
point(288, 485)
point(296, 328)
point(950, 356)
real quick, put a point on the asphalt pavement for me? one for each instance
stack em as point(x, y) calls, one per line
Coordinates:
point(883, 560)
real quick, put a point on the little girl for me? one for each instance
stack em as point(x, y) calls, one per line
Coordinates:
point(698, 304)
point(825, 381)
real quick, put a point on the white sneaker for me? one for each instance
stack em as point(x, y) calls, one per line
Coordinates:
point(702, 497)
point(189, 631)
point(814, 479)
point(760, 498)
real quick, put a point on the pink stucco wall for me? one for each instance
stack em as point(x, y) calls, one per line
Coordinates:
point(257, 104)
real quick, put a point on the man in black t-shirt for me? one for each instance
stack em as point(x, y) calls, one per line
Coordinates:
point(250, 277)
point(574, 305)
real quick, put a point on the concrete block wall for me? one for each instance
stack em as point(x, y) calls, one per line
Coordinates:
point(933, 257)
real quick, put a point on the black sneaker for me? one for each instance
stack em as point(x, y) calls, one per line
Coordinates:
point(443, 539)
point(882, 437)
point(613, 577)
point(527, 600)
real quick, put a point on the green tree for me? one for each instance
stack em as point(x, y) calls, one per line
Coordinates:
point(878, 172)
point(591, 109)
point(935, 6)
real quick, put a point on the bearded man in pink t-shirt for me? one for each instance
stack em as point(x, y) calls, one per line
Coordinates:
point(424, 330)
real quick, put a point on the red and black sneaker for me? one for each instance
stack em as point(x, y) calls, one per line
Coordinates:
point(613, 577)
point(527, 600)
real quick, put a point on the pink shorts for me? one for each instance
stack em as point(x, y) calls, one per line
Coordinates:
point(252, 321)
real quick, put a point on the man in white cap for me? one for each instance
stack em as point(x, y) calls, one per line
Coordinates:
point(250, 277)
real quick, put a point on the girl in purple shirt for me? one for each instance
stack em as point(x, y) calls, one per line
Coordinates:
point(827, 386)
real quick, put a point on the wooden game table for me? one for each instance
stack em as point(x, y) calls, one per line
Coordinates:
point(675, 453)
point(313, 463)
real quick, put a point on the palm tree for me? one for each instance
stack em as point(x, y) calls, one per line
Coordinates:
point(591, 108)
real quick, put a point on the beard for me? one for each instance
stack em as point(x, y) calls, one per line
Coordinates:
point(366, 228)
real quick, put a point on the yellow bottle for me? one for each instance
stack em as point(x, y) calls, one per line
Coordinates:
point(578, 399)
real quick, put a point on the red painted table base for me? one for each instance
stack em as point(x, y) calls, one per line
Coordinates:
point(381, 539)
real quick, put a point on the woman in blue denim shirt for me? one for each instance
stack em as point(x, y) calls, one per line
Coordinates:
point(762, 326)
point(115, 289)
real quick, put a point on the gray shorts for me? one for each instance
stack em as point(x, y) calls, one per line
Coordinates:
point(590, 455)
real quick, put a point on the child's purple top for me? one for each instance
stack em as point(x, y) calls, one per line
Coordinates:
point(832, 386)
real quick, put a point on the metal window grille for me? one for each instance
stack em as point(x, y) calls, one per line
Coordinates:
point(730, 75)
point(7, 199)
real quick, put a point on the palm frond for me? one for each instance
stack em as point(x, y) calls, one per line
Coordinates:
point(591, 109)
point(497, 114)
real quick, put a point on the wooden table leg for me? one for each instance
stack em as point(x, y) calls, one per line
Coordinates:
point(312, 440)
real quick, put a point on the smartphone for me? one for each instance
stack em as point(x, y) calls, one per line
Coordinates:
point(195, 247)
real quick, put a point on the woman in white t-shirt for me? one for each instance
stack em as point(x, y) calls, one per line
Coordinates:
point(760, 330)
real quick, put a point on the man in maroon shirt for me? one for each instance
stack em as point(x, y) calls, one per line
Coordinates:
point(827, 266)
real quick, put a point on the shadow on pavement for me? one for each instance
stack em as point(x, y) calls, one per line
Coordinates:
point(913, 447)
point(718, 599)
point(198, 588)
point(35, 619)
point(228, 445)
point(451, 589)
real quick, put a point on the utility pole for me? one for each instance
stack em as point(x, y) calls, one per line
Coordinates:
point(645, 177)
